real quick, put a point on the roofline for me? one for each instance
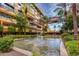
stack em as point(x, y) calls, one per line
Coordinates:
point(38, 8)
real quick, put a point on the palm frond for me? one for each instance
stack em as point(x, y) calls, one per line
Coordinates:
point(24, 8)
point(57, 9)
point(61, 12)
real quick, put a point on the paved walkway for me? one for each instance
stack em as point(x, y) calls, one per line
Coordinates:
point(12, 53)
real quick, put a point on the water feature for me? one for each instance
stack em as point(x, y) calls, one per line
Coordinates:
point(43, 46)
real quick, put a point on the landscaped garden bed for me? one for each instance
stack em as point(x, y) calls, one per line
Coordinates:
point(72, 46)
point(6, 44)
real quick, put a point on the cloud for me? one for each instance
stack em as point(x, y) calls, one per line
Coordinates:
point(48, 10)
point(51, 9)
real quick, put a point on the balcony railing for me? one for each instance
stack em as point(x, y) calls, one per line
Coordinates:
point(6, 11)
point(7, 7)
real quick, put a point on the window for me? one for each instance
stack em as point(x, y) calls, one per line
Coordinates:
point(2, 15)
point(6, 7)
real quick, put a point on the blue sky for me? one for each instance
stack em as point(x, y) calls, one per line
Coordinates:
point(47, 9)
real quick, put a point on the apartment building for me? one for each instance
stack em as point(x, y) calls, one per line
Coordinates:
point(53, 19)
point(34, 14)
point(6, 16)
point(35, 18)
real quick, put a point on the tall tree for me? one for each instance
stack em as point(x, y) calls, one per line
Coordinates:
point(62, 12)
point(74, 20)
point(21, 18)
point(64, 6)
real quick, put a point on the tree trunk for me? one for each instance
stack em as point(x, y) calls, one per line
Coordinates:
point(1, 33)
point(65, 13)
point(74, 20)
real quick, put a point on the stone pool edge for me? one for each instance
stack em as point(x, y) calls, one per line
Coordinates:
point(63, 51)
point(27, 53)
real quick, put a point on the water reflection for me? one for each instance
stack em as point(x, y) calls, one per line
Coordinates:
point(42, 46)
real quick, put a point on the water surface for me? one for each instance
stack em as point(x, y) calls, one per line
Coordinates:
point(44, 46)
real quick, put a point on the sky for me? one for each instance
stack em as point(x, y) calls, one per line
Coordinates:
point(48, 10)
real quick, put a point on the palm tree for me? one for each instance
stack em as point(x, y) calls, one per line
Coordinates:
point(21, 19)
point(61, 10)
point(63, 5)
point(68, 24)
point(74, 20)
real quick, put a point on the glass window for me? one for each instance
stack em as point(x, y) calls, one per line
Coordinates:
point(2, 15)
point(6, 7)
point(0, 3)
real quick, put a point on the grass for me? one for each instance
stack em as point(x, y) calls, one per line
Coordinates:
point(72, 48)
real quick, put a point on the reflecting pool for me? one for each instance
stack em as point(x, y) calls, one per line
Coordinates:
point(40, 46)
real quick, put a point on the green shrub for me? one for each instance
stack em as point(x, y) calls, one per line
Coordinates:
point(67, 37)
point(64, 34)
point(6, 43)
point(22, 36)
point(35, 54)
point(72, 48)
point(1, 28)
point(11, 29)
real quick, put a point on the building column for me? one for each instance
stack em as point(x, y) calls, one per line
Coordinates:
point(1, 22)
point(1, 32)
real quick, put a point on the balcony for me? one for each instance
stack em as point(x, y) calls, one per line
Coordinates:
point(35, 28)
point(6, 11)
point(6, 22)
